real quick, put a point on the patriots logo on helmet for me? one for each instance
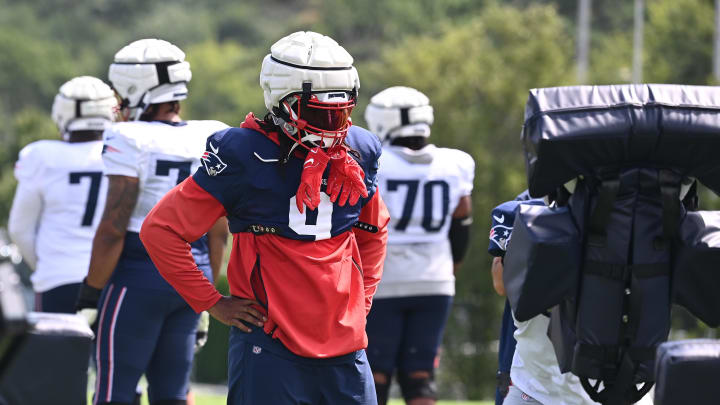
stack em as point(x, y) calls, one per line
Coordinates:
point(212, 162)
point(500, 235)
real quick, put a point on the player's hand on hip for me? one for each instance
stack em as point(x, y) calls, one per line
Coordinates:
point(346, 176)
point(232, 310)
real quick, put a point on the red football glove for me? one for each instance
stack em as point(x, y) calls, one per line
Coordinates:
point(345, 175)
point(309, 191)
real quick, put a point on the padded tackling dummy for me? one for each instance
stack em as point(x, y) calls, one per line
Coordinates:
point(631, 146)
point(687, 372)
point(542, 261)
point(571, 131)
point(627, 268)
point(51, 364)
point(13, 313)
point(696, 268)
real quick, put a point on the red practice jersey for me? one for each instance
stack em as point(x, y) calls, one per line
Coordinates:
point(313, 273)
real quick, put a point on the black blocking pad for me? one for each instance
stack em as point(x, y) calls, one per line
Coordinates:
point(687, 372)
point(571, 131)
point(542, 263)
point(51, 364)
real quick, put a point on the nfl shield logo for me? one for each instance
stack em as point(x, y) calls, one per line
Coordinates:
point(257, 349)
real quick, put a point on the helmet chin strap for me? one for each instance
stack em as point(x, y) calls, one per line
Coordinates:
point(290, 131)
point(137, 112)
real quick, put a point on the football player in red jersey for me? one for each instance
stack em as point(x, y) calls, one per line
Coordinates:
point(299, 188)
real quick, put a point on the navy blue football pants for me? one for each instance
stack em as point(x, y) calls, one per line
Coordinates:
point(140, 331)
point(506, 350)
point(263, 371)
point(59, 299)
point(405, 333)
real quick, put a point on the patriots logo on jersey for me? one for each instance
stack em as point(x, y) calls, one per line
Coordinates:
point(212, 162)
point(500, 235)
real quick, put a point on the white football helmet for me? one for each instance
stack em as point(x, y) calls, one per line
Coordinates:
point(84, 104)
point(149, 71)
point(399, 112)
point(310, 87)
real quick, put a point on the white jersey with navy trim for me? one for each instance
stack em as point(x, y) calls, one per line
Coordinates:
point(57, 207)
point(159, 154)
point(421, 189)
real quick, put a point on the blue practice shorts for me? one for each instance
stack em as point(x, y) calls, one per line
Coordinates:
point(263, 371)
point(143, 331)
point(59, 299)
point(405, 333)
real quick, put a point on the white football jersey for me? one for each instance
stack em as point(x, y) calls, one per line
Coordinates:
point(58, 204)
point(535, 369)
point(421, 189)
point(159, 154)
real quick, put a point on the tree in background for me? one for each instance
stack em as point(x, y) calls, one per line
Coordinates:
point(477, 75)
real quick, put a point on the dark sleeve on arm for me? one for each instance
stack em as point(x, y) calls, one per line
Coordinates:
point(459, 237)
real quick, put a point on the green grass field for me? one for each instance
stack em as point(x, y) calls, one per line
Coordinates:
point(202, 397)
point(218, 400)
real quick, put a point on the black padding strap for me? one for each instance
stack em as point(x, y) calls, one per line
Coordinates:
point(607, 192)
point(607, 354)
point(640, 354)
point(306, 92)
point(162, 71)
point(619, 272)
point(606, 270)
point(282, 62)
point(624, 382)
point(78, 110)
point(404, 116)
point(670, 194)
point(647, 270)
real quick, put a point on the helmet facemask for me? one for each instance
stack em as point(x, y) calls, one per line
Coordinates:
point(316, 119)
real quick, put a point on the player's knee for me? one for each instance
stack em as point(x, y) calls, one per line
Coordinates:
point(382, 386)
point(170, 402)
point(381, 377)
point(417, 384)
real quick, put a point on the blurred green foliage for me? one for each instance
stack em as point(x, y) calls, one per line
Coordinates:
point(475, 59)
